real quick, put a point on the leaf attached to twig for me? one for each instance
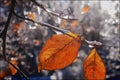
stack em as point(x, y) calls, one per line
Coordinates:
point(59, 51)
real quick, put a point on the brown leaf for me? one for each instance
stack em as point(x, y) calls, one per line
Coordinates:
point(94, 68)
point(59, 51)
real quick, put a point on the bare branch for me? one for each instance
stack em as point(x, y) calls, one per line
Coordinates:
point(3, 35)
point(43, 24)
point(93, 43)
point(4, 32)
point(20, 71)
point(52, 12)
point(46, 25)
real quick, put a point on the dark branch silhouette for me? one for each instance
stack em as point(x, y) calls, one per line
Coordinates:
point(3, 36)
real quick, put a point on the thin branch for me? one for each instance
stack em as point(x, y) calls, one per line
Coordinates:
point(20, 71)
point(4, 32)
point(52, 12)
point(46, 25)
point(43, 24)
point(3, 35)
point(92, 43)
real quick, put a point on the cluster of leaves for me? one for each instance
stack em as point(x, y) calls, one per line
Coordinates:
point(61, 50)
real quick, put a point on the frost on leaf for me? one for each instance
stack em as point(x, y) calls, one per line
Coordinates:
point(94, 68)
point(59, 51)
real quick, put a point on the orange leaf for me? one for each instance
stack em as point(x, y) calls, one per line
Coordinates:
point(13, 70)
point(69, 24)
point(94, 68)
point(59, 52)
point(7, 3)
point(31, 15)
point(85, 9)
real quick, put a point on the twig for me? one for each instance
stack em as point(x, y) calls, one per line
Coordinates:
point(46, 25)
point(4, 32)
point(52, 12)
point(3, 35)
point(17, 68)
point(43, 24)
point(94, 43)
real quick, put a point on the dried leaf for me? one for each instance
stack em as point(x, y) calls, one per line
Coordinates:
point(59, 52)
point(31, 15)
point(94, 68)
point(13, 70)
point(85, 9)
point(69, 24)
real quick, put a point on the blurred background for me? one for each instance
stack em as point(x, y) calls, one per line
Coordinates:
point(97, 20)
